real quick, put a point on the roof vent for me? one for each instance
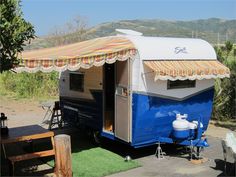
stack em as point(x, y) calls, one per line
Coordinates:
point(129, 32)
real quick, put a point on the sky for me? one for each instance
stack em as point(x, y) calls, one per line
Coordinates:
point(46, 15)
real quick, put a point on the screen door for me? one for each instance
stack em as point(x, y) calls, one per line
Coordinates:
point(122, 99)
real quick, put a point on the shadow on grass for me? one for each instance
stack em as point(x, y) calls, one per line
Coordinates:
point(89, 159)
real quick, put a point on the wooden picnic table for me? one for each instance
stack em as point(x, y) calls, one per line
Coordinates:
point(24, 133)
point(27, 133)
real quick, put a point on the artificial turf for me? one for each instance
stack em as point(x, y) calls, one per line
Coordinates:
point(92, 161)
point(97, 162)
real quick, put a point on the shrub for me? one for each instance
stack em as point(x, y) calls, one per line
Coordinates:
point(30, 85)
point(225, 89)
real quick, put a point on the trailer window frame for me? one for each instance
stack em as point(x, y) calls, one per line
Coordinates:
point(181, 84)
point(76, 81)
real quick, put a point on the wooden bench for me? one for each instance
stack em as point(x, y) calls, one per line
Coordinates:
point(33, 155)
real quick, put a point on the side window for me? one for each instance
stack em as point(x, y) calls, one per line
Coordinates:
point(77, 81)
point(181, 84)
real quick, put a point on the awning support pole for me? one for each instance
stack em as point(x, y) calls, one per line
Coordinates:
point(150, 72)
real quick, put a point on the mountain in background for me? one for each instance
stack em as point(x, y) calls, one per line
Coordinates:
point(213, 30)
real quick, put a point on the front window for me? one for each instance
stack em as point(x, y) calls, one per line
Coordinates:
point(181, 84)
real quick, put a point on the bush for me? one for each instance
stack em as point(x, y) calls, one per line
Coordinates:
point(225, 89)
point(30, 85)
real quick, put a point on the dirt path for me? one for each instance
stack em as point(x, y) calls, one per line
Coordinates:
point(23, 112)
point(218, 132)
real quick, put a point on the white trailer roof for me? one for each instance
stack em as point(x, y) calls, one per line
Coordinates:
point(165, 48)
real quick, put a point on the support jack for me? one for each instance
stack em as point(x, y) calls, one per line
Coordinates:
point(159, 152)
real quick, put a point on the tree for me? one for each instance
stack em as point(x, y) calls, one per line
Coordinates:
point(225, 89)
point(228, 47)
point(72, 31)
point(14, 32)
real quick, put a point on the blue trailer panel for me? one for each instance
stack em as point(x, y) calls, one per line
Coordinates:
point(153, 116)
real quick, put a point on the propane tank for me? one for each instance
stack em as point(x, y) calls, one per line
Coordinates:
point(181, 127)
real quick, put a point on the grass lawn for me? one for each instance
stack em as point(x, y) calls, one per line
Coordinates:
point(91, 161)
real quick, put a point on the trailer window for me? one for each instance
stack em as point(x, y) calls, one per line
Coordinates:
point(77, 82)
point(181, 84)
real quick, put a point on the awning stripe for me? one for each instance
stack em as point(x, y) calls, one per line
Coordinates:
point(94, 47)
point(187, 69)
point(85, 54)
point(47, 65)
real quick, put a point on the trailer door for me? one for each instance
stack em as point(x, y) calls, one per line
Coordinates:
point(122, 101)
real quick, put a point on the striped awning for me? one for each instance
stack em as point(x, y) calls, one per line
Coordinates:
point(85, 54)
point(188, 69)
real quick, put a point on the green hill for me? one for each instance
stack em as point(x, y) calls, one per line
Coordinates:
point(213, 30)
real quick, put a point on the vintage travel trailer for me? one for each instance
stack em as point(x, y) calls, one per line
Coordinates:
point(136, 89)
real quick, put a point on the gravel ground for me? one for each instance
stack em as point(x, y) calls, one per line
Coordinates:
point(21, 113)
point(176, 164)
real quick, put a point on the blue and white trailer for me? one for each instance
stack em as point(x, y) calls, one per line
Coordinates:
point(133, 94)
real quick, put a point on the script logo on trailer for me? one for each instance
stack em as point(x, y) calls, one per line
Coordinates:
point(180, 50)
